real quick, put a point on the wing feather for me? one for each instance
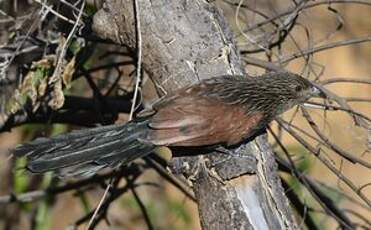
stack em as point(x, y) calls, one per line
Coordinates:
point(192, 119)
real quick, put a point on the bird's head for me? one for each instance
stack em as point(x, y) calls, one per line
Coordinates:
point(287, 90)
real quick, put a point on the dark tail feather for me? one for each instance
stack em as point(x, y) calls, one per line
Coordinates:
point(86, 151)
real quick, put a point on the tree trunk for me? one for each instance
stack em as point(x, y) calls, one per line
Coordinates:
point(182, 43)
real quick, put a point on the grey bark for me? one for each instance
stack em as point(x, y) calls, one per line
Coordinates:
point(182, 43)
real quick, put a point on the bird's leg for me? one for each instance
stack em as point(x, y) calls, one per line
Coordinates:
point(230, 152)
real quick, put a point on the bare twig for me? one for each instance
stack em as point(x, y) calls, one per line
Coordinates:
point(50, 9)
point(323, 199)
point(139, 55)
point(58, 66)
point(357, 99)
point(358, 120)
point(95, 213)
point(162, 172)
point(347, 110)
point(33, 196)
point(329, 165)
point(143, 209)
point(263, 64)
point(300, 206)
point(345, 80)
point(332, 145)
point(133, 106)
point(323, 48)
point(306, 6)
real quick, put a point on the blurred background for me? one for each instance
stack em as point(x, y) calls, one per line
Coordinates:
point(320, 25)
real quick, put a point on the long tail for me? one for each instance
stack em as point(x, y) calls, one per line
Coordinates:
point(84, 152)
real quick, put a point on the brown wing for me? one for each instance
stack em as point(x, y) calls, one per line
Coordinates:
point(192, 120)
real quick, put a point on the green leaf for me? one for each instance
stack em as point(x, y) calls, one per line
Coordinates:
point(20, 177)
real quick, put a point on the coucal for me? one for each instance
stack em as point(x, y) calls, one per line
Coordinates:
point(218, 111)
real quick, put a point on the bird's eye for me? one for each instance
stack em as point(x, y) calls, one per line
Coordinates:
point(298, 88)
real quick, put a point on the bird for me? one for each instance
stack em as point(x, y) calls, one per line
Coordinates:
point(219, 111)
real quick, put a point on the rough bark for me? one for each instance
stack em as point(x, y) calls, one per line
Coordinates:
point(183, 42)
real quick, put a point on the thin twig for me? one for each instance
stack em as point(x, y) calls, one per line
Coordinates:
point(139, 56)
point(329, 165)
point(307, 6)
point(160, 170)
point(321, 48)
point(263, 64)
point(95, 213)
point(58, 66)
point(78, 185)
point(143, 209)
point(327, 204)
point(331, 145)
point(299, 206)
point(345, 80)
point(339, 108)
point(247, 37)
point(358, 120)
point(139, 44)
point(50, 8)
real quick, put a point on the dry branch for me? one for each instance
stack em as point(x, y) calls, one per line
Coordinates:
point(183, 44)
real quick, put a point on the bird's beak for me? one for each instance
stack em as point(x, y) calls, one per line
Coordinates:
point(317, 91)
